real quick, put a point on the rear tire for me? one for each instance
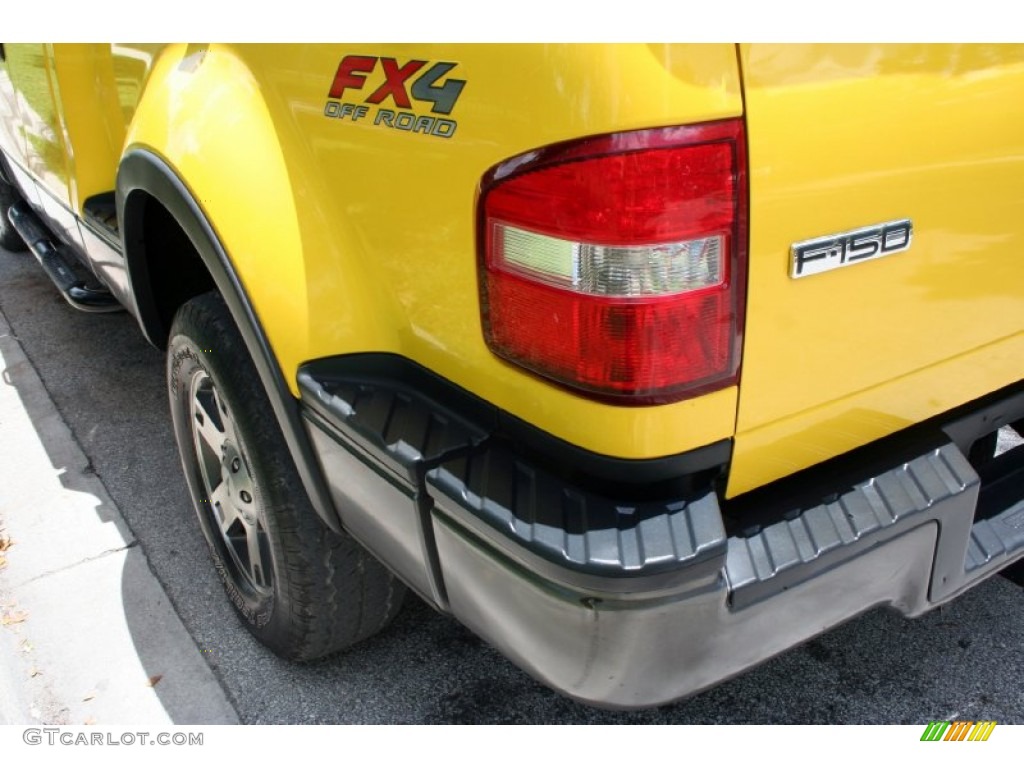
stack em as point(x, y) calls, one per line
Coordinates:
point(301, 589)
point(10, 240)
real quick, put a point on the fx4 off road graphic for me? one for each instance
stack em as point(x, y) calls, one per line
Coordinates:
point(358, 83)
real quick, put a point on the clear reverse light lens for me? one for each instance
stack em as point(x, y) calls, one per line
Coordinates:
point(612, 270)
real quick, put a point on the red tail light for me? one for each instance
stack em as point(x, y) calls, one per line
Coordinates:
point(614, 265)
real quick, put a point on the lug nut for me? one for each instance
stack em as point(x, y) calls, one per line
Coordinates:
point(246, 497)
point(235, 464)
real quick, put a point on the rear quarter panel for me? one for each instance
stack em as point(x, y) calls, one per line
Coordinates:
point(351, 236)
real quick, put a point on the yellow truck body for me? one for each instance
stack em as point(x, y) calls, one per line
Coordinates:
point(336, 197)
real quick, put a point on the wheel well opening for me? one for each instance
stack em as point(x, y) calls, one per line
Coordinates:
point(173, 266)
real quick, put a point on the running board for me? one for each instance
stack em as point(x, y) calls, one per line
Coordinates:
point(74, 288)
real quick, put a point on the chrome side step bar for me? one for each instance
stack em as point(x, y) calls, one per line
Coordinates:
point(76, 290)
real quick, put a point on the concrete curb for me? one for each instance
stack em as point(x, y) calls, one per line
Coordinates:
point(87, 633)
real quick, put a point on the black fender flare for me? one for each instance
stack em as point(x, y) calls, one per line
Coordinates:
point(142, 170)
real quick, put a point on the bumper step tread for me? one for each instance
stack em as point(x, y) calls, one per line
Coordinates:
point(996, 537)
point(403, 429)
point(778, 556)
point(494, 492)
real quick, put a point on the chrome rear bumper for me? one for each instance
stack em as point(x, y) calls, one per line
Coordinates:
point(625, 604)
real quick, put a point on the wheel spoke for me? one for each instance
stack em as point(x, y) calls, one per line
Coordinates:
point(208, 420)
point(223, 417)
point(257, 568)
point(223, 507)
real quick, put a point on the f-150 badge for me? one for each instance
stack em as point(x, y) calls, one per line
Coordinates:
point(822, 254)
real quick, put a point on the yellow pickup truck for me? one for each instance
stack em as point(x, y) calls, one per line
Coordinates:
point(645, 362)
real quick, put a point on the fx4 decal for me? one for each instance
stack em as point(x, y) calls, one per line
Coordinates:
point(423, 82)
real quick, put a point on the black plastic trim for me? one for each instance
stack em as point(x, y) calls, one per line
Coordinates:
point(420, 445)
point(597, 471)
point(1001, 536)
point(793, 529)
point(397, 423)
point(143, 171)
point(937, 485)
point(100, 216)
point(615, 543)
point(436, 441)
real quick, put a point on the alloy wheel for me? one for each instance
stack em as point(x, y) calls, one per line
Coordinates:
point(231, 501)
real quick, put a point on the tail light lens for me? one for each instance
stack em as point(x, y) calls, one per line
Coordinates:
point(614, 265)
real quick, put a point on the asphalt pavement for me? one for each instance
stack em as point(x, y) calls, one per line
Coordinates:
point(964, 661)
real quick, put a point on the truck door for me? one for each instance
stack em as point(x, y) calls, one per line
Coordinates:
point(12, 137)
point(43, 152)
